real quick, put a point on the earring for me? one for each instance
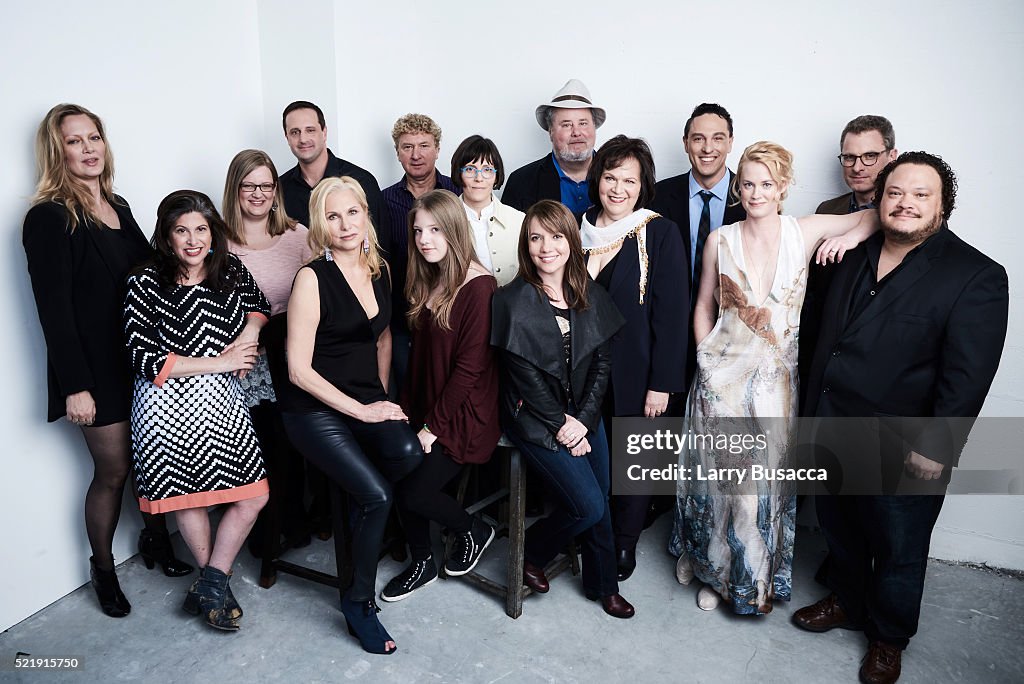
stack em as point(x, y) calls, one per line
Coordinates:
point(327, 254)
point(366, 244)
point(273, 207)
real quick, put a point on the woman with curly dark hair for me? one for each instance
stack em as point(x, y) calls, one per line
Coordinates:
point(192, 318)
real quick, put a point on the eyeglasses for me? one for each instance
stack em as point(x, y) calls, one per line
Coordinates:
point(265, 188)
point(487, 172)
point(867, 159)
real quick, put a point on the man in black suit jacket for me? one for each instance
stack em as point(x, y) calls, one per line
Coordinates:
point(914, 327)
point(866, 145)
point(571, 120)
point(707, 137)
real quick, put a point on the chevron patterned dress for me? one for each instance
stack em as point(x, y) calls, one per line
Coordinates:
point(193, 443)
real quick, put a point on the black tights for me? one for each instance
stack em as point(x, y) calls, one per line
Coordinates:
point(110, 448)
point(364, 459)
point(421, 498)
point(111, 458)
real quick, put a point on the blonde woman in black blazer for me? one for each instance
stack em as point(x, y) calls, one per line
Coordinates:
point(81, 240)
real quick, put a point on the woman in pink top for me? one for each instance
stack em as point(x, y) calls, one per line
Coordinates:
point(273, 247)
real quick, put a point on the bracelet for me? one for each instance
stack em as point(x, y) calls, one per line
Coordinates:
point(426, 428)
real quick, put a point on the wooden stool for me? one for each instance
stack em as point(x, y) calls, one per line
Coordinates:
point(511, 497)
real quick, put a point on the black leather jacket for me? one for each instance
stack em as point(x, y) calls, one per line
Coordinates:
point(536, 385)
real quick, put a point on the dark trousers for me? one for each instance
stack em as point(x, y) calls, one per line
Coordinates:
point(629, 512)
point(878, 553)
point(578, 486)
point(422, 498)
point(364, 459)
point(285, 469)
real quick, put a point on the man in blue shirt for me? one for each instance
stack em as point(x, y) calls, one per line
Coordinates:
point(571, 120)
point(699, 200)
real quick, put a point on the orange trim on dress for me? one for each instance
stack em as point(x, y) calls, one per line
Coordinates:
point(204, 499)
point(257, 313)
point(165, 371)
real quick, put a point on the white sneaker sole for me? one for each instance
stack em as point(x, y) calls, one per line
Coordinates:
point(394, 599)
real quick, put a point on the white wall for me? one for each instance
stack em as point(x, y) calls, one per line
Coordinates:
point(182, 87)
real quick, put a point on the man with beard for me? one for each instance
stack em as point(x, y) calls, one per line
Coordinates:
point(571, 120)
point(913, 327)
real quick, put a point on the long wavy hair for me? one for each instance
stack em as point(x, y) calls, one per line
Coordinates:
point(449, 274)
point(55, 183)
point(220, 275)
point(555, 218)
point(244, 163)
point(319, 236)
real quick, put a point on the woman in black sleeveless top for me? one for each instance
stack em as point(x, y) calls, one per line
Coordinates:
point(339, 354)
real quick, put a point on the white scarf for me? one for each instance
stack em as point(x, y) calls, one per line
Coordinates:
point(602, 240)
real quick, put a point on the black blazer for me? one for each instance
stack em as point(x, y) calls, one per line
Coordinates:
point(649, 352)
point(928, 345)
point(531, 183)
point(672, 200)
point(535, 382)
point(79, 291)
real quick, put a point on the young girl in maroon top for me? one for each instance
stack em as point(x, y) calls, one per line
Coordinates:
point(451, 393)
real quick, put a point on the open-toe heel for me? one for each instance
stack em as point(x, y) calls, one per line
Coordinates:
point(361, 620)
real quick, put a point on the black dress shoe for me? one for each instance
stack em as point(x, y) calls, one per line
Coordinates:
point(155, 549)
point(534, 578)
point(625, 559)
point(614, 605)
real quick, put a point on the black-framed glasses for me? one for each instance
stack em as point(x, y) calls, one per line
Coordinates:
point(867, 159)
point(265, 188)
point(487, 172)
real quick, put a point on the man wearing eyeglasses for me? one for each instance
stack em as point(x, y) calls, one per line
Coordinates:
point(867, 145)
point(417, 140)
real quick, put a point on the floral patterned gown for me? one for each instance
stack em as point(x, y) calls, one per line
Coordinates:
point(739, 536)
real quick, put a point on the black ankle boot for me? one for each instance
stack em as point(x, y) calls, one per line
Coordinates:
point(191, 604)
point(212, 588)
point(155, 548)
point(108, 591)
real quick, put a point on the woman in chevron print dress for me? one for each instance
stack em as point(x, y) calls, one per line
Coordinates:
point(192, 318)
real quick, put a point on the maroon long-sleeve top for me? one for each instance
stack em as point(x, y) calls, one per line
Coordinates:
point(452, 383)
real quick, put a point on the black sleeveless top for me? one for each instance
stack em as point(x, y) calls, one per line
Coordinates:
point(345, 348)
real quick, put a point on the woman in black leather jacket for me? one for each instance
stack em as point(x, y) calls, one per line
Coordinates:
point(552, 325)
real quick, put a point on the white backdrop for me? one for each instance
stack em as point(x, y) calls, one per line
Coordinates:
point(182, 87)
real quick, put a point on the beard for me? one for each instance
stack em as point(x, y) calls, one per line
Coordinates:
point(902, 237)
point(566, 155)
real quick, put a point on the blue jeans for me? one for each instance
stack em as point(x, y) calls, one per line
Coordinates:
point(579, 488)
point(878, 553)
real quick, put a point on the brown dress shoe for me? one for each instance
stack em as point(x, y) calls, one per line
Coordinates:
point(882, 664)
point(534, 578)
point(824, 615)
point(616, 606)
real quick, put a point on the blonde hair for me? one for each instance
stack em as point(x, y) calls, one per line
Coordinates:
point(55, 183)
point(776, 158)
point(450, 273)
point(244, 163)
point(319, 236)
point(416, 123)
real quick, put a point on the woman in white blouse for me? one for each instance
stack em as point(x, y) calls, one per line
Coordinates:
point(478, 171)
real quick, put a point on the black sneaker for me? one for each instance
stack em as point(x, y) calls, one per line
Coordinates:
point(468, 548)
point(419, 574)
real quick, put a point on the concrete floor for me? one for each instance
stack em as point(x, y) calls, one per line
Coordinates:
point(971, 631)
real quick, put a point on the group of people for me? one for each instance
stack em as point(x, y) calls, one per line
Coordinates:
point(390, 337)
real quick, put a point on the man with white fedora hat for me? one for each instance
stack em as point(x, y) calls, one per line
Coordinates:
point(571, 120)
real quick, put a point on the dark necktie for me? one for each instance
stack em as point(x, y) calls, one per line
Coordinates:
point(703, 230)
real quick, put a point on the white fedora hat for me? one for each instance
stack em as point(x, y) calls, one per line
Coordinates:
point(573, 95)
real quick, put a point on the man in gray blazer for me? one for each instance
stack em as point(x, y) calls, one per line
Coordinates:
point(866, 146)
